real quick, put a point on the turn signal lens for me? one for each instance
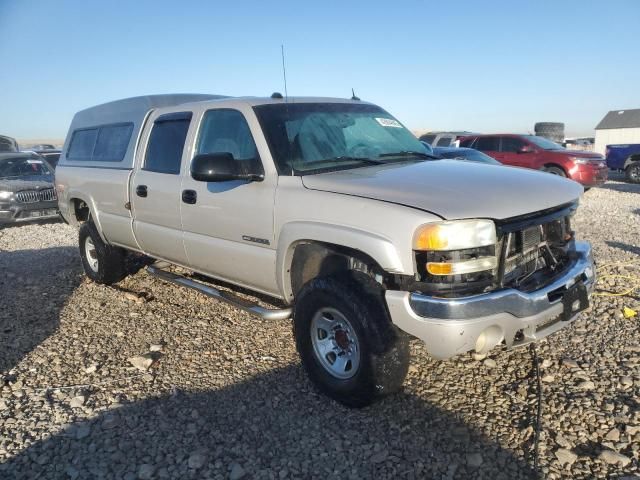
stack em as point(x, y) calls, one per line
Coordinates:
point(439, 268)
point(456, 235)
point(431, 237)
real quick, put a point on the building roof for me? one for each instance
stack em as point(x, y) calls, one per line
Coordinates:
point(620, 119)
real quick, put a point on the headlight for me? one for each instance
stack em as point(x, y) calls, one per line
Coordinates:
point(457, 235)
point(586, 161)
point(5, 195)
point(456, 255)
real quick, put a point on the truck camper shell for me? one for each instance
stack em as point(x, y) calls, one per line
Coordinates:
point(106, 135)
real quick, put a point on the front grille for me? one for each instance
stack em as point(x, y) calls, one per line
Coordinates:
point(533, 254)
point(33, 196)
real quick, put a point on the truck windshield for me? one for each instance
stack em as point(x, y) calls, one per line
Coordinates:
point(308, 138)
point(22, 167)
point(543, 143)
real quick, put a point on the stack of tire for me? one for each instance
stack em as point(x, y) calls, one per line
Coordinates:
point(553, 131)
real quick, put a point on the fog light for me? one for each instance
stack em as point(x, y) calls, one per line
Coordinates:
point(481, 342)
point(488, 338)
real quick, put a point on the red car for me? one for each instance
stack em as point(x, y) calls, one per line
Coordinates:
point(530, 151)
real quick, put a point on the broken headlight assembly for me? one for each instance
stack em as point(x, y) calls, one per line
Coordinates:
point(456, 257)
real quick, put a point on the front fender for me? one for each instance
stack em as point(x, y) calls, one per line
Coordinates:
point(378, 247)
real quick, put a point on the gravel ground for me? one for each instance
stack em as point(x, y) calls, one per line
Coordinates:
point(226, 396)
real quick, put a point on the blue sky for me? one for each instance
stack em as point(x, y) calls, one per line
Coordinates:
point(471, 65)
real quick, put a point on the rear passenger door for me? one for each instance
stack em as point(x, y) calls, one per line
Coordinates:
point(489, 145)
point(156, 186)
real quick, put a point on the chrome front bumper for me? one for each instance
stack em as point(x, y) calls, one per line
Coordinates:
point(449, 326)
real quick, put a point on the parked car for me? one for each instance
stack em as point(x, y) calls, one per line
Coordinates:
point(8, 144)
point(444, 139)
point(530, 151)
point(42, 146)
point(464, 154)
point(625, 157)
point(51, 156)
point(26, 188)
point(330, 206)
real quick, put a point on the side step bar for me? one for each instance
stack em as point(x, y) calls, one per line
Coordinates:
point(252, 308)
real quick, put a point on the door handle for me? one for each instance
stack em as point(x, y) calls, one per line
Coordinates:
point(189, 196)
point(141, 190)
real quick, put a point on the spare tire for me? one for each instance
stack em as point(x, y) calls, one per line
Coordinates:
point(554, 131)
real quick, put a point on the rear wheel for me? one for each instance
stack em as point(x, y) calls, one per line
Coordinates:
point(102, 263)
point(348, 345)
point(555, 171)
point(632, 172)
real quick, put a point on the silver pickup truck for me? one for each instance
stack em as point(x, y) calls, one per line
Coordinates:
point(333, 207)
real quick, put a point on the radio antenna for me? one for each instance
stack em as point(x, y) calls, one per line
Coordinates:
point(284, 74)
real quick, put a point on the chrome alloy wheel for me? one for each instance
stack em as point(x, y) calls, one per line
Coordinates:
point(91, 254)
point(335, 343)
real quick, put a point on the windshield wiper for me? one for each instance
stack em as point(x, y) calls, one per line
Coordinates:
point(371, 161)
point(410, 153)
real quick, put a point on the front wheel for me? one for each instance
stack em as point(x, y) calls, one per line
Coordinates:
point(348, 345)
point(555, 171)
point(102, 263)
point(632, 173)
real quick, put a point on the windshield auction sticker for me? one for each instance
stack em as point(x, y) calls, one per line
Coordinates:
point(388, 122)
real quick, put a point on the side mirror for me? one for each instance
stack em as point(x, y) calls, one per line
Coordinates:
point(219, 167)
point(526, 149)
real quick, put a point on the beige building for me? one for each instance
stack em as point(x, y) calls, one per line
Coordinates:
point(618, 127)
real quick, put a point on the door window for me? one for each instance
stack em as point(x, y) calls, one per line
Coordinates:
point(226, 131)
point(488, 144)
point(444, 142)
point(166, 143)
point(511, 144)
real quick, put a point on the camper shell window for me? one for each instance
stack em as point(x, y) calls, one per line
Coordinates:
point(104, 143)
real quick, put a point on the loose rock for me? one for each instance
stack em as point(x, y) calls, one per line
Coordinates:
point(565, 457)
point(142, 362)
point(614, 458)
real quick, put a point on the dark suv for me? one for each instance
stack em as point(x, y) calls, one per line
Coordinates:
point(26, 188)
point(530, 151)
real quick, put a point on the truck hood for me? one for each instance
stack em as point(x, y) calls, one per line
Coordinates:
point(31, 182)
point(453, 189)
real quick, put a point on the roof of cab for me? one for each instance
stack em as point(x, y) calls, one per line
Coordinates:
point(137, 107)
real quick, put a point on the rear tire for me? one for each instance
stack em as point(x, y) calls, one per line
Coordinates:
point(348, 345)
point(632, 173)
point(555, 171)
point(102, 263)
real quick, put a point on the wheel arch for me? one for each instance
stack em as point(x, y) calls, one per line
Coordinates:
point(309, 249)
point(82, 209)
point(635, 157)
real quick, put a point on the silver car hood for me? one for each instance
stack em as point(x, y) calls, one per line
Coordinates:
point(453, 189)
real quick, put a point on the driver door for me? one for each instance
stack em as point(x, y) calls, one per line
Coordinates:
point(228, 225)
